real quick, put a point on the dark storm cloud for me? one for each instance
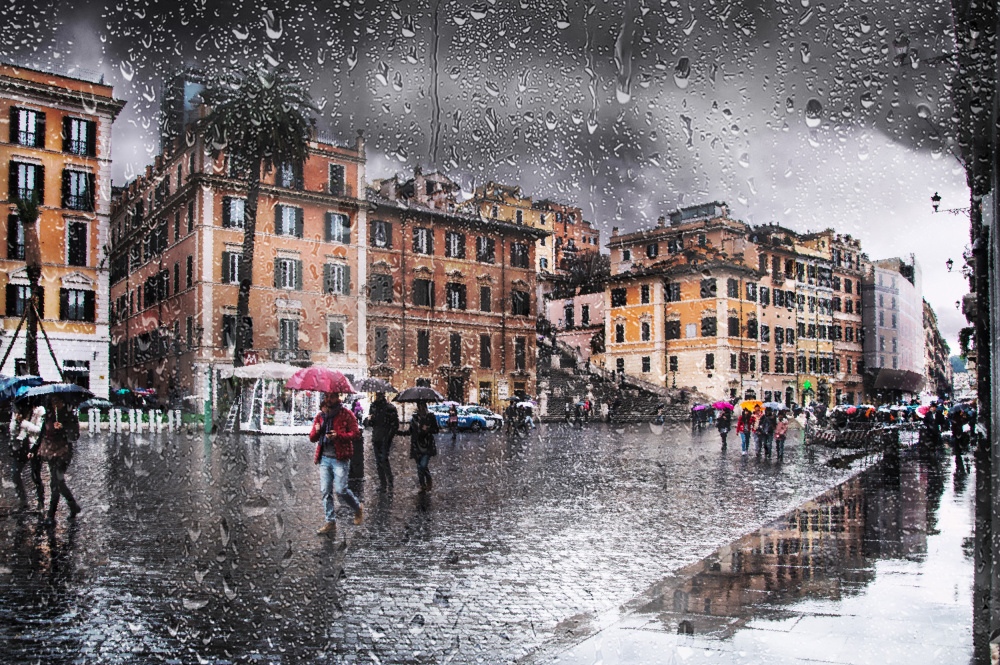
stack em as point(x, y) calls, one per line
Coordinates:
point(811, 114)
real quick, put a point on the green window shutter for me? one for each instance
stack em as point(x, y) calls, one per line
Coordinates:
point(299, 222)
point(92, 140)
point(345, 232)
point(298, 275)
point(89, 303)
point(277, 219)
point(226, 220)
point(328, 219)
point(327, 278)
point(40, 129)
point(63, 304)
point(276, 263)
point(12, 300)
point(41, 302)
point(91, 191)
point(12, 179)
point(13, 124)
point(40, 183)
point(347, 281)
point(226, 276)
point(65, 188)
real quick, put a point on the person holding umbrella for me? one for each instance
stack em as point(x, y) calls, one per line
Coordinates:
point(28, 421)
point(385, 424)
point(335, 430)
point(743, 427)
point(723, 423)
point(423, 427)
point(60, 428)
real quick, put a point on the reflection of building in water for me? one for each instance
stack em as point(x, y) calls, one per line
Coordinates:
point(818, 550)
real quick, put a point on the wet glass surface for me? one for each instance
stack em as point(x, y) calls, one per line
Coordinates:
point(192, 548)
point(861, 574)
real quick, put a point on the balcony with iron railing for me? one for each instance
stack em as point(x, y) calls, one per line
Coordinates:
point(77, 146)
point(290, 355)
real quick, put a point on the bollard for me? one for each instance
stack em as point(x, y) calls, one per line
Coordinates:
point(131, 421)
point(177, 419)
point(93, 420)
point(170, 420)
point(159, 420)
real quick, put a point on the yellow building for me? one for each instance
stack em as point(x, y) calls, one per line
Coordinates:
point(679, 307)
point(506, 203)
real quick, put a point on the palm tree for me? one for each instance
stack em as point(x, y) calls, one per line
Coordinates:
point(27, 213)
point(259, 119)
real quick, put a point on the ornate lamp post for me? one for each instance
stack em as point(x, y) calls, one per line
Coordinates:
point(27, 213)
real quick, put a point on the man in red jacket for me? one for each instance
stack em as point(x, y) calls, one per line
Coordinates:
point(334, 431)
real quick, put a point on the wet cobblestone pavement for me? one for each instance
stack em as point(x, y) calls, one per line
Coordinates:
point(199, 550)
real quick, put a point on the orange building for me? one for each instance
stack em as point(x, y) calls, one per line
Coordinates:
point(681, 310)
point(177, 234)
point(452, 295)
point(572, 235)
point(57, 146)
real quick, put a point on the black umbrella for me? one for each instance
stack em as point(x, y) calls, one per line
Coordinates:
point(419, 394)
point(9, 385)
point(97, 403)
point(70, 393)
point(371, 384)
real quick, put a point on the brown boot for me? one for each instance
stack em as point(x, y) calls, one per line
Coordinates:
point(359, 514)
point(328, 528)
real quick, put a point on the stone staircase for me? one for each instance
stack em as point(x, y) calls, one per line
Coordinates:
point(564, 380)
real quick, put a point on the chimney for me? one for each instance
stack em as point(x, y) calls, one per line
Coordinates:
point(661, 221)
point(614, 230)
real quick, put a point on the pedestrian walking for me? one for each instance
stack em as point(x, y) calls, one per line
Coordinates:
point(765, 431)
point(423, 427)
point(780, 432)
point(23, 445)
point(335, 431)
point(453, 421)
point(758, 413)
point(60, 428)
point(384, 419)
point(743, 428)
point(723, 423)
point(578, 417)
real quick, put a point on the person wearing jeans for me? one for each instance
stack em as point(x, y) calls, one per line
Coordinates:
point(335, 430)
point(744, 426)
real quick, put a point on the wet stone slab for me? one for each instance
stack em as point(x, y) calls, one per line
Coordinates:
point(874, 571)
point(194, 549)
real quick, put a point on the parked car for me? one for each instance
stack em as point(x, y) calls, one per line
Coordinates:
point(494, 420)
point(470, 421)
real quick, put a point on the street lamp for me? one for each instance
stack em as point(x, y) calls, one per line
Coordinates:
point(949, 263)
point(936, 202)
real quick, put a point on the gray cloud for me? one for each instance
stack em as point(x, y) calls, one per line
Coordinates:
point(719, 105)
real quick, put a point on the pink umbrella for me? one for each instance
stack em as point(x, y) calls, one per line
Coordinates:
point(722, 405)
point(922, 411)
point(319, 378)
point(852, 409)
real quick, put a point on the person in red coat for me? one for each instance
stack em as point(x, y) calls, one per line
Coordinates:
point(334, 432)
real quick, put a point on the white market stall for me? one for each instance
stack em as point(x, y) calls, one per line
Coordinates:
point(266, 407)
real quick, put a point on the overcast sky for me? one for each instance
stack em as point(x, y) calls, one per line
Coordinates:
point(808, 114)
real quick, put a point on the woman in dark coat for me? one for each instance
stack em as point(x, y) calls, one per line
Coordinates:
point(59, 429)
point(423, 427)
point(723, 422)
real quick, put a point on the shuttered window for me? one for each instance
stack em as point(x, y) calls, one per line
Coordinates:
point(336, 278)
point(79, 137)
point(338, 228)
point(27, 127)
point(288, 221)
point(76, 305)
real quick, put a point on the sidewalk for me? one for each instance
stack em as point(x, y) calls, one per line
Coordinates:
point(878, 570)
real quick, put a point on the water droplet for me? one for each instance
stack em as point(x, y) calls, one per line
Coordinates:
point(804, 53)
point(654, 159)
point(407, 29)
point(866, 25)
point(272, 26)
point(814, 111)
point(592, 122)
point(461, 18)
point(128, 71)
point(562, 20)
point(382, 73)
point(192, 604)
point(479, 11)
point(789, 105)
point(397, 82)
point(577, 117)
point(401, 154)
point(744, 160)
point(492, 88)
point(867, 101)
point(550, 120)
point(690, 27)
point(682, 73)
point(417, 624)
point(240, 33)
point(455, 73)
point(522, 81)
point(352, 58)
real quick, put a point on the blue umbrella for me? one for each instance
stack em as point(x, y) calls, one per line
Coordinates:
point(69, 392)
point(9, 385)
